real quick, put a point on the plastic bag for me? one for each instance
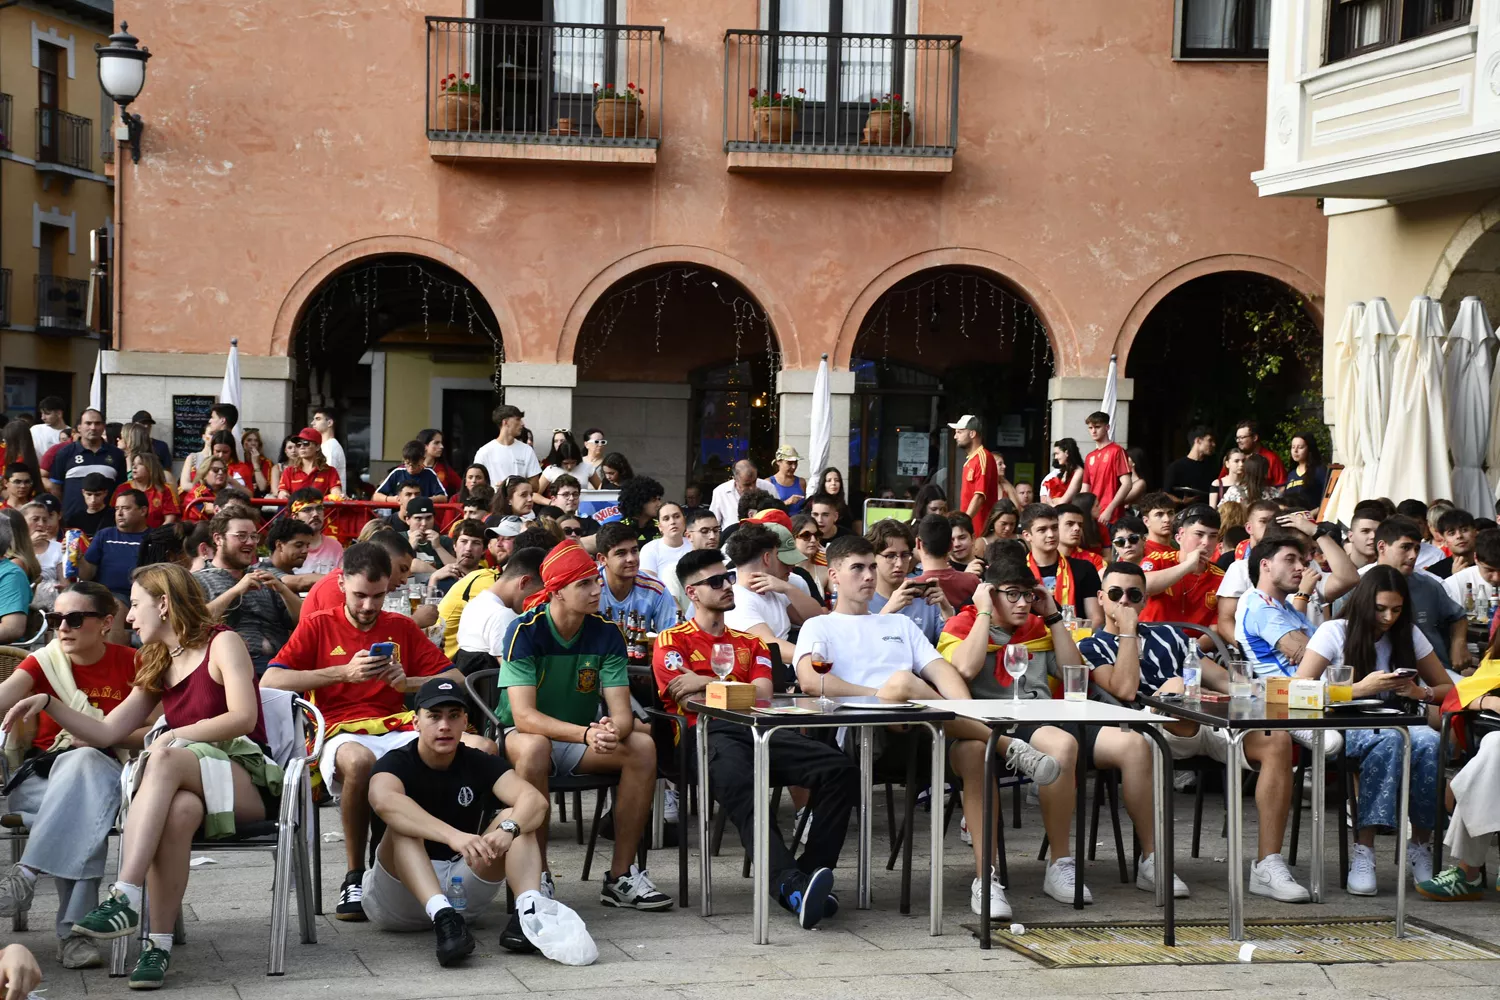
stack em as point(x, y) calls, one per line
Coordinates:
point(558, 932)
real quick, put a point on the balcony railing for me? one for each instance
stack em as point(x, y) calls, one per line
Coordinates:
point(544, 83)
point(5, 132)
point(64, 139)
point(813, 92)
point(4, 296)
point(61, 303)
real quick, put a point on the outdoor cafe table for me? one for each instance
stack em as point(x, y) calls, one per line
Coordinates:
point(1002, 714)
point(860, 721)
point(1243, 718)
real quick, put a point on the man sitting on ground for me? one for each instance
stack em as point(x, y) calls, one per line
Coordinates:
point(766, 603)
point(626, 590)
point(1069, 581)
point(488, 615)
point(562, 662)
point(289, 540)
point(252, 601)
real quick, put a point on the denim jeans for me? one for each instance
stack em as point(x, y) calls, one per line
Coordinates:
point(1379, 754)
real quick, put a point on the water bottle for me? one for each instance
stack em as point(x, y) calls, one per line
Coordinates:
point(456, 894)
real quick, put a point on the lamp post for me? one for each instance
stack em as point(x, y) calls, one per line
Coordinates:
point(122, 75)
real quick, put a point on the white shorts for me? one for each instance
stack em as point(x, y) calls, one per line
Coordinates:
point(1206, 742)
point(391, 906)
point(378, 745)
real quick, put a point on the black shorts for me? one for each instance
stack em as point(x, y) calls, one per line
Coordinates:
point(1085, 741)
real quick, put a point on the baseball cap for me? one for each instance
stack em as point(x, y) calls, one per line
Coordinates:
point(98, 482)
point(441, 691)
point(53, 505)
point(420, 505)
point(308, 434)
point(507, 526)
point(967, 422)
point(786, 548)
point(143, 417)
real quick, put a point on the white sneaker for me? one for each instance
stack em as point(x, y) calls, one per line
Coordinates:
point(963, 831)
point(549, 887)
point(1419, 860)
point(1145, 878)
point(1061, 878)
point(1362, 871)
point(1271, 877)
point(1184, 781)
point(669, 805)
point(1333, 741)
point(999, 905)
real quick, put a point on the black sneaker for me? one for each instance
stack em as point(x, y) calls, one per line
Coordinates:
point(351, 897)
point(454, 942)
point(514, 939)
point(806, 896)
point(830, 905)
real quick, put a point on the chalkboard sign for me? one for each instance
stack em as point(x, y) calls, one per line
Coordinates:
point(189, 417)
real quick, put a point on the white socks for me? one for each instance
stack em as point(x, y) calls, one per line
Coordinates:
point(529, 897)
point(132, 894)
point(435, 904)
point(162, 941)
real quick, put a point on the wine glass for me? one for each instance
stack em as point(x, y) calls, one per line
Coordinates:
point(721, 658)
point(822, 664)
point(1017, 658)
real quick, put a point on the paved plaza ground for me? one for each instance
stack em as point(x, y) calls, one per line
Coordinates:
point(869, 955)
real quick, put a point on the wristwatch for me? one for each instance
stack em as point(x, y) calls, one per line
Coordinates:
point(511, 827)
point(1053, 618)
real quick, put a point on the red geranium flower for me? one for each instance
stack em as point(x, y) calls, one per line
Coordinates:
point(894, 97)
point(630, 86)
point(754, 92)
point(776, 96)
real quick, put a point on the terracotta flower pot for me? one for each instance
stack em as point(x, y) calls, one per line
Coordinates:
point(881, 128)
point(617, 117)
point(775, 123)
point(458, 112)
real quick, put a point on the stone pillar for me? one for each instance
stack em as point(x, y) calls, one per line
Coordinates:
point(794, 388)
point(545, 394)
point(1074, 397)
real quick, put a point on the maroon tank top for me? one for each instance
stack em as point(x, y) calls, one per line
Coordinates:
point(198, 696)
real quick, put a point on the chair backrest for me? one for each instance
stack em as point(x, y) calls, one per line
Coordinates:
point(484, 691)
point(282, 730)
point(1188, 628)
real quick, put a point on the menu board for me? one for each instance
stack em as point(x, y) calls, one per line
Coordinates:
point(189, 417)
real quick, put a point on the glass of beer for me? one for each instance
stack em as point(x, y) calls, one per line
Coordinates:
point(414, 594)
point(822, 664)
point(1340, 683)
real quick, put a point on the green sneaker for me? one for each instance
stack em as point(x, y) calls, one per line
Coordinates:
point(110, 919)
point(1451, 886)
point(150, 971)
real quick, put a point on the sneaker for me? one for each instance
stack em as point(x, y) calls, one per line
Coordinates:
point(830, 905)
point(16, 891)
point(806, 896)
point(1451, 885)
point(999, 905)
point(1271, 877)
point(1145, 878)
point(669, 805)
point(454, 942)
point(634, 890)
point(963, 830)
point(806, 827)
point(1333, 740)
point(548, 887)
point(150, 972)
point(1184, 781)
point(1023, 758)
point(1419, 860)
point(1362, 871)
point(74, 952)
point(1061, 875)
point(514, 939)
point(110, 919)
point(351, 897)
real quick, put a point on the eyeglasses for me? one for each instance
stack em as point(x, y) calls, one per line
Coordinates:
point(716, 582)
point(1131, 594)
point(73, 619)
point(1125, 540)
point(1017, 596)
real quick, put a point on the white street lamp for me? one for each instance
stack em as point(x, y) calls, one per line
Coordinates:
point(122, 76)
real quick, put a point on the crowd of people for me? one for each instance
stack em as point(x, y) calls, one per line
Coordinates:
point(172, 600)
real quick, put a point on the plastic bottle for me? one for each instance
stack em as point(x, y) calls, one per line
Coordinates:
point(457, 895)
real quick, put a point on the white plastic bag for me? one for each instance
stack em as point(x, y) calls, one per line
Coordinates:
point(558, 932)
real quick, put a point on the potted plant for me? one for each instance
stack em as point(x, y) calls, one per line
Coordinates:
point(888, 123)
point(774, 116)
point(458, 105)
point(618, 112)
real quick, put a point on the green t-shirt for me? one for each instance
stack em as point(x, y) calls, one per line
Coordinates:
point(569, 676)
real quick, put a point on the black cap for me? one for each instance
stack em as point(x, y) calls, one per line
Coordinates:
point(420, 505)
point(53, 505)
point(441, 691)
point(98, 482)
point(143, 417)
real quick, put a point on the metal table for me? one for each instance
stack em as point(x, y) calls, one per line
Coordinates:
point(860, 721)
point(1242, 718)
point(1004, 714)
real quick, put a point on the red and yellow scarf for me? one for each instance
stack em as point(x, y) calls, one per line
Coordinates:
point(1034, 635)
point(1063, 593)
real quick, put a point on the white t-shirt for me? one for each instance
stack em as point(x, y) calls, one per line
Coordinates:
point(752, 609)
point(1455, 584)
point(44, 437)
point(867, 649)
point(483, 624)
point(660, 559)
point(1429, 554)
point(1328, 642)
point(323, 558)
point(50, 559)
point(333, 453)
point(505, 460)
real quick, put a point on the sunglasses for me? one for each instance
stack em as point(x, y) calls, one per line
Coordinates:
point(716, 582)
point(601, 441)
point(73, 619)
point(807, 536)
point(1125, 540)
point(572, 532)
point(1131, 594)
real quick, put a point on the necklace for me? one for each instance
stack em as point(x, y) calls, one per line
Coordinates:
point(174, 653)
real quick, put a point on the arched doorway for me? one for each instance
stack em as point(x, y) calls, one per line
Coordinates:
point(938, 344)
point(1474, 273)
point(1219, 349)
point(397, 343)
point(678, 362)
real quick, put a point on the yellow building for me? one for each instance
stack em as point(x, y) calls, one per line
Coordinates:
point(56, 185)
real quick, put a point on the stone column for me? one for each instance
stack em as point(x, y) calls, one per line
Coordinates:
point(794, 388)
point(1074, 397)
point(545, 394)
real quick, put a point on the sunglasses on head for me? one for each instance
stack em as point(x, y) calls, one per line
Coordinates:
point(718, 581)
point(73, 619)
point(1131, 594)
point(1125, 540)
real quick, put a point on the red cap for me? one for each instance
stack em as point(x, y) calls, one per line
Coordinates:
point(308, 434)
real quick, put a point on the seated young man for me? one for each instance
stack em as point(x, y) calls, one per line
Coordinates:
point(468, 543)
point(489, 614)
point(339, 655)
point(626, 590)
point(289, 540)
point(897, 593)
point(429, 800)
point(1017, 610)
point(1182, 584)
point(563, 662)
point(887, 656)
point(683, 667)
point(766, 603)
point(1070, 581)
point(1150, 659)
point(1070, 522)
point(328, 594)
point(325, 551)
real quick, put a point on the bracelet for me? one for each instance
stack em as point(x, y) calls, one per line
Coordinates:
point(1053, 619)
point(988, 614)
point(49, 702)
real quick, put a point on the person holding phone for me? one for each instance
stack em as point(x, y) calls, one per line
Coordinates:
point(896, 593)
point(1391, 658)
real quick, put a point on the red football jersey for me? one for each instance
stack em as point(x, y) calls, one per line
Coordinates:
point(687, 648)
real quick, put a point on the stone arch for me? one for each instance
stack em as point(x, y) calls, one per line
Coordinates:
point(1478, 237)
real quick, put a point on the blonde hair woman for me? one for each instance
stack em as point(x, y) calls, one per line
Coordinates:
point(15, 544)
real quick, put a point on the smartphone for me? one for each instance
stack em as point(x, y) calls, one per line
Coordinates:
point(1409, 673)
point(382, 650)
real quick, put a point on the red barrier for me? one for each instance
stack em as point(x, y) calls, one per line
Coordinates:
point(345, 519)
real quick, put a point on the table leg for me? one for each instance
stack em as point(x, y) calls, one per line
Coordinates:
point(1164, 831)
point(1158, 820)
point(866, 792)
point(1080, 814)
point(1319, 815)
point(761, 886)
point(987, 830)
point(1402, 825)
point(1236, 801)
point(935, 887)
point(705, 860)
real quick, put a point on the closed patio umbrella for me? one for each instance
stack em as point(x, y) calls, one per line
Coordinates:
point(820, 434)
point(1373, 345)
point(1471, 364)
point(1346, 417)
point(1414, 452)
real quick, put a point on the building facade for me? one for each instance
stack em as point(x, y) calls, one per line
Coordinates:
point(656, 217)
point(56, 186)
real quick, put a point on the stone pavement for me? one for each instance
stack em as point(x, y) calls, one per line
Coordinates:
point(869, 955)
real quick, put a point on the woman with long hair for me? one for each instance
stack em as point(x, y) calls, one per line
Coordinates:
point(1066, 478)
point(659, 556)
point(1001, 523)
point(289, 460)
point(198, 503)
point(15, 544)
point(1378, 637)
point(16, 446)
point(135, 439)
point(312, 470)
point(1308, 472)
point(221, 446)
point(475, 476)
point(262, 467)
point(1231, 485)
point(199, 672)
point(431, 440)
point(1257, 476)
point(146, 475)
point(810, 544)
point(930, 499)
point(614, 471)
point(831, 483)
point(516, 496)
point(565, 459)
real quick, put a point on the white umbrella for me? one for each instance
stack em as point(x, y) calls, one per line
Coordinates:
point(96, 387)
point(1346, 417)
point(1471, 363)
point(1373, 341)
point(1111, 401)
point(229, 392)
point(1414, 452)
point(820, 441)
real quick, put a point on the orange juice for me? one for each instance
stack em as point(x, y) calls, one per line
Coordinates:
point(1340, 692)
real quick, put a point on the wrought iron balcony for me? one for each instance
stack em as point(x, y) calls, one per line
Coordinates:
point(61, 303)
point(64, 139)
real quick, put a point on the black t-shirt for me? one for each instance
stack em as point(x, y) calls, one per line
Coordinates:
point(1192, 473)
point(1085, 582)
point(1442, 569)
point(88, 523)
point(459, 796)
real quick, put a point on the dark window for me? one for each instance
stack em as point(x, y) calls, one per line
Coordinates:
point(1359, 26)
point(1224, 29)
point(47, 102)
point(854, 71)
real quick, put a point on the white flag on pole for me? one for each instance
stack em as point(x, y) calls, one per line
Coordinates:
point(96, 387)
point(1111, 393)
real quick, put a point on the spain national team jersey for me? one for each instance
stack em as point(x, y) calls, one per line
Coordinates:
point(686, 648)
point(570, 675)
point(647, 598)
point(1193, 599)
point(1157, 557)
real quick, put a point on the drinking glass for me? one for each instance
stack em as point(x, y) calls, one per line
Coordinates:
point(1239, 680)
point(1017, 658)
point(1069, 618)
point(721, 658)
point(822, 664)
point(1340, 683)
point(1075, 682)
